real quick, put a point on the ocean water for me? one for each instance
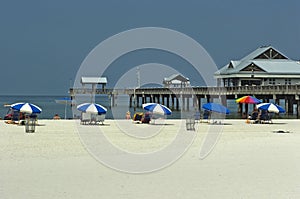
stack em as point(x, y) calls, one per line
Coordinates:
point(47, 103)
point(50, 107)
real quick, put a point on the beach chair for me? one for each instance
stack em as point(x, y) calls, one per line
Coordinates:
point(137, 117)
point(86, 118)
point(265, 118)
point(100, 119)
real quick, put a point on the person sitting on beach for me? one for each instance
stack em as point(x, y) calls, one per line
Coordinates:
point(146, 118)
point(206, 114)
point(254, 115)
point(56, 117)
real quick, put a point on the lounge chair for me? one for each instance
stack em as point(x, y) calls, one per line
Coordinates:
point(137, 117)
point(100, 119)
point(86, 118)
point(265, 118)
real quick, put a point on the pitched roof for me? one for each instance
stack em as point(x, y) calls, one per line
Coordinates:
point(264, 59)
point(279, 66)
point(176, 77)
point(260, 51)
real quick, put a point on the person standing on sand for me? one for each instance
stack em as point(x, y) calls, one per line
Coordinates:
point(128, 116)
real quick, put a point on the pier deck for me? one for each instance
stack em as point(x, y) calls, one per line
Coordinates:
point(290, 93)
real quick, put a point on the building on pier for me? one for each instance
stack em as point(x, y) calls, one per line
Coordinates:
point(275, 76)
point(176, 81)
point(93, 81)
point(262, 67)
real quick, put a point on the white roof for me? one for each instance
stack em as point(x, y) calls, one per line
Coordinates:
point(93, 80)
point(176, 77)
point(270, 66)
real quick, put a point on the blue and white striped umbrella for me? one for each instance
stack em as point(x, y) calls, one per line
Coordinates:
point(157, 108)
point(92, 108)
point(270, 107)
point(26, 107)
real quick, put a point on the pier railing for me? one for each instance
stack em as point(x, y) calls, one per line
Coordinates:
point(234, 90)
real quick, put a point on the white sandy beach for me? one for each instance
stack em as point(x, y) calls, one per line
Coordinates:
point(248, 161)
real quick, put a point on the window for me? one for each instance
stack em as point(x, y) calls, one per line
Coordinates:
point(287, 81)
point(272, 81)
point(225, 82)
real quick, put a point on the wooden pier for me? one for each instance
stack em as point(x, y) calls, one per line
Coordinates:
point(179, 98)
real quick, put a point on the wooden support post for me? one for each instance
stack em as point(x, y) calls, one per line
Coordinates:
point(143, 99)
point(298, 108)
point(187, 103)
point(137, 100)
point(223, 100)
point(177, 103)
point(112, 100)
point(173, 101)
point(134, 102)
point(130, 101)
point(183, 102)
point(297, 100)
point(240, 108)
point(286, 101)
point(195, 102)
point(199, 102)
point(246, 109)
point(207, 98)
point(168, 100)
point(290, 106)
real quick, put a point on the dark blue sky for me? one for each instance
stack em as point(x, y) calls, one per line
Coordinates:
point(43, 43)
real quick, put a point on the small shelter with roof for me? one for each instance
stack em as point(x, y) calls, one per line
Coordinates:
point(94, 81)
point(176, 81)
point(262, 67)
